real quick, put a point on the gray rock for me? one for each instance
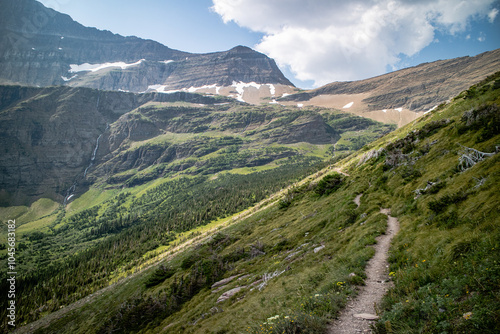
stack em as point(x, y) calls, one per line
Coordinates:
point(223, 281)
point(317, 249)
point(366, 316)
point(228, 294)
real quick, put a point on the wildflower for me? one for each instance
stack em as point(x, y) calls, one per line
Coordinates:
point(467, 315)
point(392, 273)
point(416, 265)
point(423, 260)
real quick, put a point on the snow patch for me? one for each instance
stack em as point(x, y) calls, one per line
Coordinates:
point(285, 94)
point(192, 89)
point(384, 110)
point(300, 105)
point(347, 106)
point(86, 67)
point(428, 111)
point(60, 48)
point(272, 89)
point(33, 49)
point(68, 79)
point(156, 87)
point(398, 109)
point(166, 61)
point(273, 102)
point(240, 88)
point(161, 89)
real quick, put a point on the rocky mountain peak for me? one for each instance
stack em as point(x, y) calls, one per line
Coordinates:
point(241, 49)
point(42, 47)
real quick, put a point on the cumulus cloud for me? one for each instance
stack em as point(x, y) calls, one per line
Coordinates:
point(337, 40)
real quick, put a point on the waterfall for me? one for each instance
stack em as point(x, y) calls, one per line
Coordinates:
point(70, 192)
point(95, 149)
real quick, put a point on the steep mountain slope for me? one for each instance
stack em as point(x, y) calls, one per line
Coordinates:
point(289, 264)
point(41, 47)
point(58, 141)
point(49, 135)
point(402, 96)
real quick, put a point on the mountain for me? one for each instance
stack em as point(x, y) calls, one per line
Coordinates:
point(42, 47)
point(137, 259)
point(58, 137)
point(402, 96)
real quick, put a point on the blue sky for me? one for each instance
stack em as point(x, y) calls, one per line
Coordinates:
point(313, 41)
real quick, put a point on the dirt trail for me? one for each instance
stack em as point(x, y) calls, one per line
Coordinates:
point(357, 316)
point(340, 171)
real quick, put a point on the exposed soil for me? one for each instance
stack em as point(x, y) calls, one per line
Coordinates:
point(361, 311)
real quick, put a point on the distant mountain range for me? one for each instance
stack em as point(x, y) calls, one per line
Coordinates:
point(42, 47)
point(402, 96)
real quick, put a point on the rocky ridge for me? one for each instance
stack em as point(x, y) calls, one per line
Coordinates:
point(42, 47)
point(57, 141)
point(402, 96)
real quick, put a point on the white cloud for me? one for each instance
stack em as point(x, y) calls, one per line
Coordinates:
point(492, 15)
point(337, 40)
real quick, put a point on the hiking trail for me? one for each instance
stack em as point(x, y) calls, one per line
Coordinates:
point(361, 311)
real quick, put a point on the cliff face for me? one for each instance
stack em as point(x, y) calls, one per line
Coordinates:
point(57, 141)
point(39, 46)
point(220, 69)
point(49, 135)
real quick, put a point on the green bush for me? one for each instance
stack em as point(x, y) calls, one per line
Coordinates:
point(159, 275)
point(439, 205)
point(329, 184)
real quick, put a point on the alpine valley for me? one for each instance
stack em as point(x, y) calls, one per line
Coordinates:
point(159, 191)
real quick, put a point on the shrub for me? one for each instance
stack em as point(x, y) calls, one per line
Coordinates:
point(431, 128)
point(329, 184)
point(159, 275)
point(440, 204)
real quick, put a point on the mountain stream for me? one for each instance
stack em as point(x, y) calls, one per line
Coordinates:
point(70, 193)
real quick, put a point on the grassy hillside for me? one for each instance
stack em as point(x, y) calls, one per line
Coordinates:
point(291, 263)
point(161, 173)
